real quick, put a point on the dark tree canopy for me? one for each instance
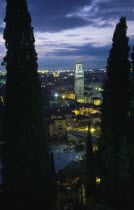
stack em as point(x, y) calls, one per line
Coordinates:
point(115, 95)
point(115, 108)
point(132, 59)
point(25, 156)
point(118, 61)
point(90, 168)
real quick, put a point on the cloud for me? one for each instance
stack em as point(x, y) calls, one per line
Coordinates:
point(72, 35)
point(63, 62)
point(85, 50)
point(57, 24)
point(106, 10)
point(131, 40)
point(85, 41)
point(1, 30)
point(51, 15)
point(56, 16)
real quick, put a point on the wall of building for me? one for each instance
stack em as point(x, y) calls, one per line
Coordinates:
point(57, 128)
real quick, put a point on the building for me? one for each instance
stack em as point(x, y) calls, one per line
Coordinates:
point(86, 109)
point(81, 122)
point(96, 101)
point(79, 82)
point(93, 96)
point(57, 128)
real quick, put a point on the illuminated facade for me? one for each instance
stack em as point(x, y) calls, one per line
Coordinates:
point(79, 82)
point(85, 111)
point(96, 101)
point(68, 94)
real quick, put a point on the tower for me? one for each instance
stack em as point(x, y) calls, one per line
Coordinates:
point(79, 82)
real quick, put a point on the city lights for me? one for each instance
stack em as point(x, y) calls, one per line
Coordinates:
point(98, 180)
point(92, 130)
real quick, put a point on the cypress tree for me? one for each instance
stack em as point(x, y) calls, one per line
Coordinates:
point(90, 168)
point(114, 111)
point(130, 137)
point(124, 161)
point(53, 181)
point(130, 124)
point(116, 87)
point(25, 154)
point(132, 59)
point(125, 190)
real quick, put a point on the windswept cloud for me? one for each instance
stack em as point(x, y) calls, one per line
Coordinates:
point(105, 10)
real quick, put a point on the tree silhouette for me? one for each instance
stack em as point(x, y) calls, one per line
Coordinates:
point(25, 153)
point(90, 168)
point(114, 113)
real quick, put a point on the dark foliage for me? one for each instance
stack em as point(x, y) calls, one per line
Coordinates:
point(25, 154)
point(132, 59)
point(113, 156)
point(90, 168)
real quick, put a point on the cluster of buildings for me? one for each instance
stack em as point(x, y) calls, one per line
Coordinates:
point(71, 99)
point(75, 102)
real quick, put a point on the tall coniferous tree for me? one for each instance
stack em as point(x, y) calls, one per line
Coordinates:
point(116, 87)
point(130, 134)
point(114, 110)
point(53, 182)
point(25, 154)
point(132, 59)
point(90, 168)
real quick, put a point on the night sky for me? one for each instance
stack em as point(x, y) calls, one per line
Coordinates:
point(70, 30)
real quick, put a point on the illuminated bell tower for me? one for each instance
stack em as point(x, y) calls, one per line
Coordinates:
point(79, 82)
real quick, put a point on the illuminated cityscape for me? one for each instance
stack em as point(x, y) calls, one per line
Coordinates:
point(67, 104)
point(65, 112)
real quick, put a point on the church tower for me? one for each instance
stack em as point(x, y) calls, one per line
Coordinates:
point(79, 82)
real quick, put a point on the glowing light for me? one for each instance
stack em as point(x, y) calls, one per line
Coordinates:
point(98, 180)
point(92, 130)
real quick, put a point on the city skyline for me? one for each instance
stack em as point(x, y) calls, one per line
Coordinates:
point(66, 31)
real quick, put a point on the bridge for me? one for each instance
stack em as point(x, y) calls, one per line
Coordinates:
point(82, 136)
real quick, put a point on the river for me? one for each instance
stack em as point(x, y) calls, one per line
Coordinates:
point(63, 156)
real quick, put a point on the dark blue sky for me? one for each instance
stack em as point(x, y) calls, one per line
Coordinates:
point(70, 30)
